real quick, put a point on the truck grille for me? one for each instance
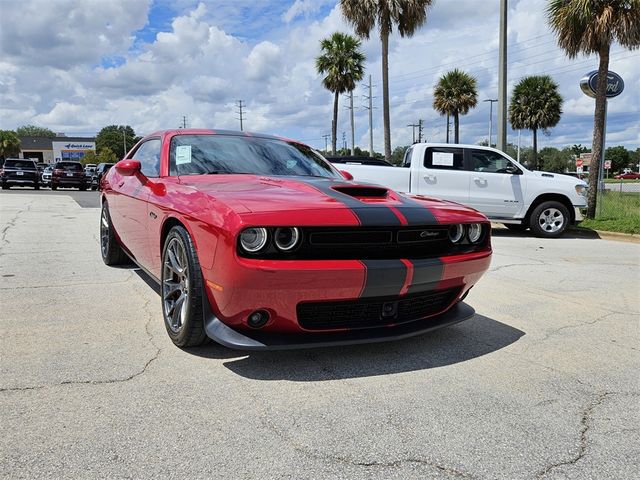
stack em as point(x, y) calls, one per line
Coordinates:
point(374, 312)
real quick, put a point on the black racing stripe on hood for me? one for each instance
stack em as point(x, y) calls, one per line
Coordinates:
point(384, 278)
point(415, 212)
point(368, 214)
point(426, 274)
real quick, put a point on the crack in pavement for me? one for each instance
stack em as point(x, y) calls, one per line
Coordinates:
point(585, 422)
point(12, 223)
point(496, 269)
point(143, 370)
point(374, 464)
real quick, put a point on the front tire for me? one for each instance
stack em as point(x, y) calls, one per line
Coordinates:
point(112, 253)
point(549, 219)
point(182, 290)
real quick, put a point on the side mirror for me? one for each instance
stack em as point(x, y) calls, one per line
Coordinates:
point(346, 175)
point(512, 169)
point(128, 168)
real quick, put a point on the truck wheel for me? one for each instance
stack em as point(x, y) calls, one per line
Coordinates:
point(54, 187)
point(5, 187)
point(549, 219)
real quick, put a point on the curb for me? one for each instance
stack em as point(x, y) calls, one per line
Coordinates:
point(589, 233)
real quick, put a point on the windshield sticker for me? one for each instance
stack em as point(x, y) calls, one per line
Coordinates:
point(183, 154)
point(291, 164)
point(442, 159)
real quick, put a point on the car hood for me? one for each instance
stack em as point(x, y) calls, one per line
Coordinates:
point(258, 194)
point(558, 177)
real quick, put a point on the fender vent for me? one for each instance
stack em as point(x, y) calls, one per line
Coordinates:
point(362, 192)
point(547, 175)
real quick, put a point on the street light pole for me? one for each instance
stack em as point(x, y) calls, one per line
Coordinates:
point(501, 142)
point(490, 100)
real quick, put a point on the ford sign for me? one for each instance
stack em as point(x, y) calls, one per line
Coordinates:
point(589, 83)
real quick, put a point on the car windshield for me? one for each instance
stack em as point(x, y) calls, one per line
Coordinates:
point(70, 167)
point(25, 164)
point(227, 154)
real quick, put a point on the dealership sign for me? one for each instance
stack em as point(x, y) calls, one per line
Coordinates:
point(589, 84)
point(80, 146)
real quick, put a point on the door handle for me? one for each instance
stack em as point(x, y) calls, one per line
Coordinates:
point(429, 177)
point(479, 180)
point(121, 184)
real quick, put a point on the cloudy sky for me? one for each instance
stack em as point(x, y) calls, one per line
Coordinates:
point(77, 65)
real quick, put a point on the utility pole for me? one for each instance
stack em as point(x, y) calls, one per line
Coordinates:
point(420, 131)
point(501, 142)
point(124, 140)
point(353, 125)
point(413, 127)
point(344, 140)
point(448, 124)
point(241, 117)
point(519, 131)
point(184, 121)
point(370, 108)
point(326, 137)
point(490, 100)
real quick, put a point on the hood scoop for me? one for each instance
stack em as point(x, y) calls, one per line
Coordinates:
point(362, 191)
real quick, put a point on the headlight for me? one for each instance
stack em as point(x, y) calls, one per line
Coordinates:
point(286, 238)
point(253, 239)
point(475, 232)
point(581, 190)
point(456, 232)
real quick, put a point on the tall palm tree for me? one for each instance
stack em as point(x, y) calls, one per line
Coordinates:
point(406, 15)
point(591, 27)
point(535, 104)
point(455, 94)
point(342, 64)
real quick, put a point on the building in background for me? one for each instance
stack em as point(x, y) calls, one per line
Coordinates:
point(51, 150)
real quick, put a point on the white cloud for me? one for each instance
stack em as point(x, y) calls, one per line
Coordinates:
point(52, 73)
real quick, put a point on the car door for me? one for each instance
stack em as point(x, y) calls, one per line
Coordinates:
point(496, 186)
point(443, 174)
point(132, 201)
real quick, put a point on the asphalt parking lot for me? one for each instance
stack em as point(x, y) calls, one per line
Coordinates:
point(542, 383)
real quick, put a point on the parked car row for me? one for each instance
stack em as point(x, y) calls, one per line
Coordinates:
point(20, 172)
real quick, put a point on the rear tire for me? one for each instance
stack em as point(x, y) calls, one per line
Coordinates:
point(112, 253)
point(54, 187)
point(5, 187)
point(549, 219)
point(182, 291)
point(36, 187)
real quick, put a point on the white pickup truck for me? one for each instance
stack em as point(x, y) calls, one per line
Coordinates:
point(487, 180)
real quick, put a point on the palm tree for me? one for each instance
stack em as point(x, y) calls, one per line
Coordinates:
point(9, 144)
point(455, 94)
point(406, 15)
point(591, 27)
point(342, 63)
point(535, 104)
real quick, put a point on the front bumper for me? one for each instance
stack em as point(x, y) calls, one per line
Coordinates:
point(258, 340)
point(238, 287)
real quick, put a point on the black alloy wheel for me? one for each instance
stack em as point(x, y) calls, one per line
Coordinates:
point(112, 253)
point(182, 290)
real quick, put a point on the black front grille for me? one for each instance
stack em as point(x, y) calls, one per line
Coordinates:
point(374, 312)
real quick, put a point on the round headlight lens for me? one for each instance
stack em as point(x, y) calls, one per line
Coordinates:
point(253, 239)
point(475, 232)
point(287, 238)
point(456, 232)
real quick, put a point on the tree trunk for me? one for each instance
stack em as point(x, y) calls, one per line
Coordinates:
point(534, 159)
point(384, 36)
point(456, 123)
point(334, 124)
point(447, 128)
point(598, 132)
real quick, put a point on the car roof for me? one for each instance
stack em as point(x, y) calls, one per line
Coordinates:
point(207, 131)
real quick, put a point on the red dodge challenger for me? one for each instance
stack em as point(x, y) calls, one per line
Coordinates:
point(259, 243)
